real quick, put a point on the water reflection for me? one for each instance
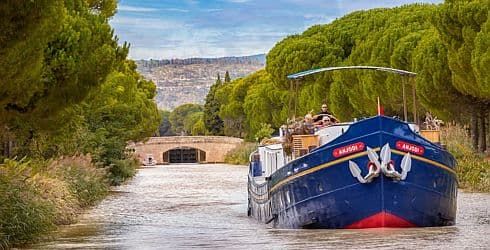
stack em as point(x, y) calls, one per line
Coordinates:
point(204, 206)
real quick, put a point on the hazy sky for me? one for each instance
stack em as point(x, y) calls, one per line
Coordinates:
point(204, 28)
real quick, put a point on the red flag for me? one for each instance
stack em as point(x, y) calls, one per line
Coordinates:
point(381, 110)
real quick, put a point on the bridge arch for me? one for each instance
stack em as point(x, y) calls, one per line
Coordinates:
point(184, 155)
point(206, 149)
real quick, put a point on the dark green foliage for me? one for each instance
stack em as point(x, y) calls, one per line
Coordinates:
point(227, 77)
point(78, 52)
point(165, 128)
point(212, 120)
point(26, 27)
point(184, 117)
point(462, 26)
point(121, 170)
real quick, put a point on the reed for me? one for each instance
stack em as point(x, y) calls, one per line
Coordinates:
point(472, 167)
point(85, 181)
point(24, 215)
point(35, 196)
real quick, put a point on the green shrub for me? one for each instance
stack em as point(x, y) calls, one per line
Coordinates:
point(472, 167)
point(265, 131)
point(240, 155)
point(121, 170)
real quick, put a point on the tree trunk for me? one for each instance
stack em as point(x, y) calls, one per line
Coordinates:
point(4, 148)
point(474, 129)
point(483, 132)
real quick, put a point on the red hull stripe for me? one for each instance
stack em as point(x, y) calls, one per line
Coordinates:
point(382, 219)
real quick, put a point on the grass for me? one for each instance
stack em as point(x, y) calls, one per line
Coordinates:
point(472, 167)
point(240, 155)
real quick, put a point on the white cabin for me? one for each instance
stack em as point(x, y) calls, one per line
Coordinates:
point(330, 133)
point(272, 157)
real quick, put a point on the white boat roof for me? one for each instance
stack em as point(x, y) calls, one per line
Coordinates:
point(273, 146)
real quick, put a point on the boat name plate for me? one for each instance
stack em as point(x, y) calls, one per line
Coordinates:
point(408, 147)
point(349, 149)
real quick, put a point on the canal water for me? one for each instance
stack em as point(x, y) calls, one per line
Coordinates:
point(204, 206)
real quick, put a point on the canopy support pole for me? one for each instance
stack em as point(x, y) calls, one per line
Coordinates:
point(405, 115)
point(414, 97)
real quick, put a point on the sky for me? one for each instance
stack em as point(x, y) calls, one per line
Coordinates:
point(164, 29)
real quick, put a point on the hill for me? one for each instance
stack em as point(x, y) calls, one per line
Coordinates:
point(181, 81)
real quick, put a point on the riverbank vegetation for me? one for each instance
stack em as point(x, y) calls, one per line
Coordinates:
point(37, 196)
point(70, 101)
point(240, 155)
point(447, 45)
point(473, 167)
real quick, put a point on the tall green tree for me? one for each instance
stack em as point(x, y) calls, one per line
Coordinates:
point(165, 128)
point(212, 120)
point(227, 77)
point(26, 28)
point(461, 25)
point(78, 51)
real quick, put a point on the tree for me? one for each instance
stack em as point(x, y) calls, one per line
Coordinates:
point(72, 50)
point(433, 80)
point(165, 128)
point(180, 116)
point(26, 28)
point(227, 77)
point(52, 55)
point(191, 120)
point(199, 128)
point(214, 124)
point(121, 110)
point(462, 27)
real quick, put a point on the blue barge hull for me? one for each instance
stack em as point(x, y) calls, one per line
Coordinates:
point(320, 190)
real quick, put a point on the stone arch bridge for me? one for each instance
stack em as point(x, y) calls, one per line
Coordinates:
point(185, 149)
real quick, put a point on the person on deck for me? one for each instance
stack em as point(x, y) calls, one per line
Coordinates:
point(323, 114)
point(308, 125)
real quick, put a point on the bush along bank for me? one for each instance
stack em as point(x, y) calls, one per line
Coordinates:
point(240, 155)
point(472, 167)
point(35, 197)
